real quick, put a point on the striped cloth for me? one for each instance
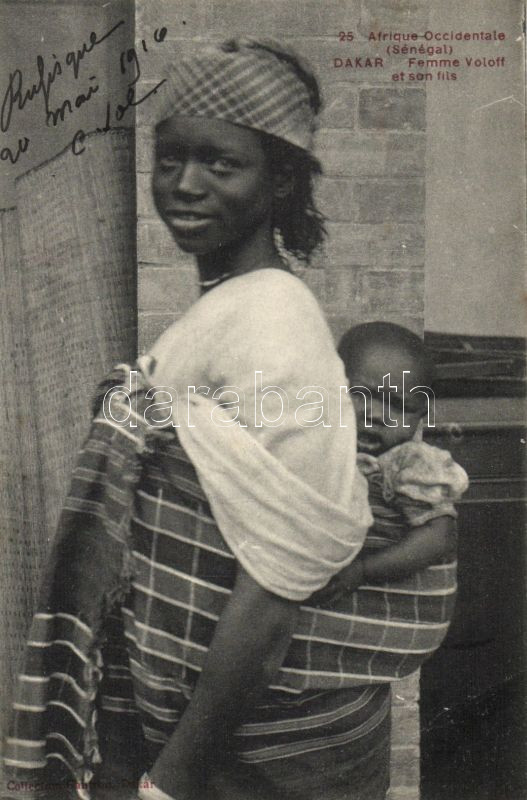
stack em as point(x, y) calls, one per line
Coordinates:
point(136, 535)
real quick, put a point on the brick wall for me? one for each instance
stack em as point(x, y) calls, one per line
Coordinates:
point(371, 142)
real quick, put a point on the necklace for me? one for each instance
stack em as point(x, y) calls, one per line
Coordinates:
point(214, 281)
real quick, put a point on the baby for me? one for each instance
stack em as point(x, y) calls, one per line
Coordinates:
point(412, 486)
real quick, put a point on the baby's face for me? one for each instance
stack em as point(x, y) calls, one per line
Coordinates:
point(381, 423)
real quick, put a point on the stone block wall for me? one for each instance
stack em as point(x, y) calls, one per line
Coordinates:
point(371, 142)
point(404, 767)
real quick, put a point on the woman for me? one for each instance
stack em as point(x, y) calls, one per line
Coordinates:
point(210, 601)
point(232, 168)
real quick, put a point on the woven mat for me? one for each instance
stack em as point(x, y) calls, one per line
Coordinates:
point(22, 535)
point(69, 313)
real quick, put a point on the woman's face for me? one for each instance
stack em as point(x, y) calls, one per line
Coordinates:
point(212, 186)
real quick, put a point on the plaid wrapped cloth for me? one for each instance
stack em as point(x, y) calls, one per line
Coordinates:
point(246, 82)
point(137, 535)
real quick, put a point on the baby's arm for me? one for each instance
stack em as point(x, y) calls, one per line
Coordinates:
point(423, 483)
point(422, 547)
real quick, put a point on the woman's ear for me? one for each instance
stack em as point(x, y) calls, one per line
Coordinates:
point(283, 183)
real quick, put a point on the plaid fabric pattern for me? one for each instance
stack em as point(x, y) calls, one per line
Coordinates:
point(183, 573)
point(250, 87)
point(137, 534)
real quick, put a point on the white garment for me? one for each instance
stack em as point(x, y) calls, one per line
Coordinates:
point(267, 323)
point(287, 536)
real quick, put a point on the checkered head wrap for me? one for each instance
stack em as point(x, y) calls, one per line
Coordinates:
point(253, 83)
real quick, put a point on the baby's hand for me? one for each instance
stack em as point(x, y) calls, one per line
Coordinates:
point(344, 582)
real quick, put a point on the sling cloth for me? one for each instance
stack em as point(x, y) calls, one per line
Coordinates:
point(137, 543)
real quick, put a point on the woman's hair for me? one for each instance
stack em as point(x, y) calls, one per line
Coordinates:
point(295, 216)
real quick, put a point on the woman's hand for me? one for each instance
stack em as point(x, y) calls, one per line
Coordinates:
point(180, 781)
point(344, 582)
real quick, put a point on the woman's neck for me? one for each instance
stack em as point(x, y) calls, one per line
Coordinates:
point(238, 259)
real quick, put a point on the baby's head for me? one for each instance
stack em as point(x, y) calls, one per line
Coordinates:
point(371, 352)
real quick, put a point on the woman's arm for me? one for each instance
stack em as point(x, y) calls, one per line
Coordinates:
point(422, 547)
point(249, 644)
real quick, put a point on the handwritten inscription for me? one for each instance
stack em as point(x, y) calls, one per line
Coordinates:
point(7, 154)
point(20, 93)
point(127, 57)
